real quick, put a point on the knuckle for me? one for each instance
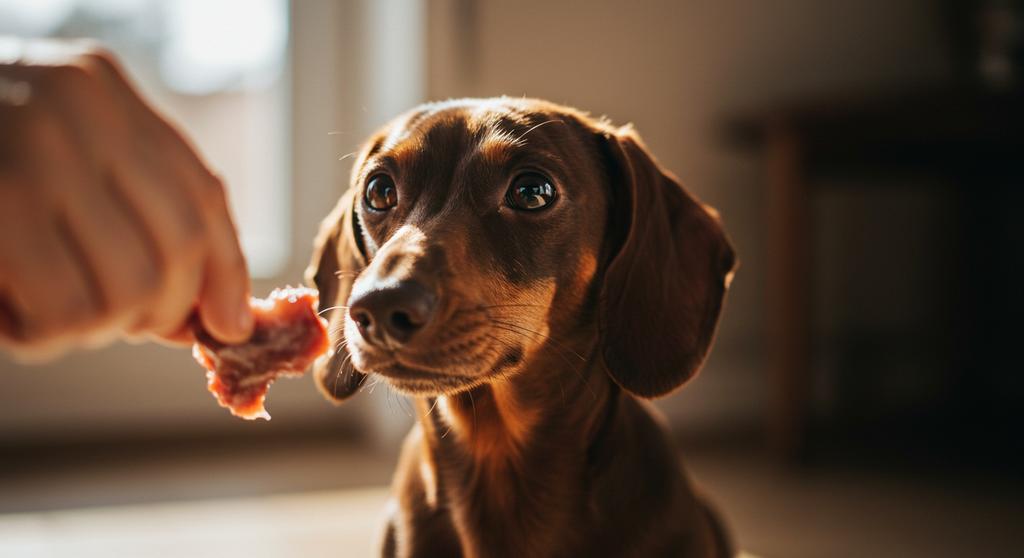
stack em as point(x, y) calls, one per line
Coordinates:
point(100, 58)
point(76, 307)
point(134, 294)
point(135, 285)
point(143, 296)
point(149, 138)
point(146, 281)
point(188, 240)
point(191, 234)
point(41, 329)
point(62, 80)
point(100, 64)
point(172, 306)
point(212, 194)
point(188, 233)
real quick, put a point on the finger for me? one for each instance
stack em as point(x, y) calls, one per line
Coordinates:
point(91, 226)
point(10, 201)
point(47, 291)
point(224, 301)
point(51, 292)
point(163, 264)
point(182, 337)
point(175, 302)
point(118, 249)
point(174, 226)
point(181, 261)
point(8, 317)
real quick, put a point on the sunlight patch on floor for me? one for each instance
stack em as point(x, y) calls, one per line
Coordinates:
point(336, 523)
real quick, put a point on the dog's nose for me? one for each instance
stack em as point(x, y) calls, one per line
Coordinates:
point(392, 315)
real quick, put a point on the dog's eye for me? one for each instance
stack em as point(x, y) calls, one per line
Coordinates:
point(381, 194)
point(529, 192)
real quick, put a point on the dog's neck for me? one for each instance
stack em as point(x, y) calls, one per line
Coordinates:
point(497, 423)
point(522, 441)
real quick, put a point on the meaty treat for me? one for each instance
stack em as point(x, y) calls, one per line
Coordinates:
point(288, 336)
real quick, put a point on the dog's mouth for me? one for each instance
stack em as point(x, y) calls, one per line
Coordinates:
point(417, 381)
point(444, 364)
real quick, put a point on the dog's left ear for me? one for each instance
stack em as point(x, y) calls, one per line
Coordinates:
point(663, 289)
point(338, 257)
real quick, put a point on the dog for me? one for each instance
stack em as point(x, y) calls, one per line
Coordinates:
point(526, 274)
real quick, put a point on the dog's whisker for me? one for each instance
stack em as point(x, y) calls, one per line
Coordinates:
point(341, 368)
point(504, 376)
point(521, 332)
point(338, 327)
point(432, 406)
point(520, 138)
point(502, 341)
point(329, 308)
point(543, 336)
point(558, 351)
point(401, 403)
point(373, 385)
point(492, 306)
point(561, 387)
point(405, 406)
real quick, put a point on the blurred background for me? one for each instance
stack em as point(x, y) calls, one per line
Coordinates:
point(865, 393)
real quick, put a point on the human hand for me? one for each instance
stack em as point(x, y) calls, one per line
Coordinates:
point(110, 222)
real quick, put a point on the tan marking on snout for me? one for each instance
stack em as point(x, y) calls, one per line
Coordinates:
point(396, 259)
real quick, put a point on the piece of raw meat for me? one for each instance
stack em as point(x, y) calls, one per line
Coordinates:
point(287, 337)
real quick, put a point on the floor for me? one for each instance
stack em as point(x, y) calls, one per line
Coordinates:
point(313, 524)
point(325, 498)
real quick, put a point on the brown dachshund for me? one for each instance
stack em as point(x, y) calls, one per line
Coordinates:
point(525, 272)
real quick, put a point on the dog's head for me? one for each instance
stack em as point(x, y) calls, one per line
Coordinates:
point(478, 233)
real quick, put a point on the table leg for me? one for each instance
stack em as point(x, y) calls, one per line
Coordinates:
point(789, 293)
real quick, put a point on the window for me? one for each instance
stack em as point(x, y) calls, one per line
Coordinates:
point(219, 69)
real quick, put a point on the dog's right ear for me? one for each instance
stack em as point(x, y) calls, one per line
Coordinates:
point(338, 257)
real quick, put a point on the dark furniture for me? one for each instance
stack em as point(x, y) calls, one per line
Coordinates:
point(969, 138)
